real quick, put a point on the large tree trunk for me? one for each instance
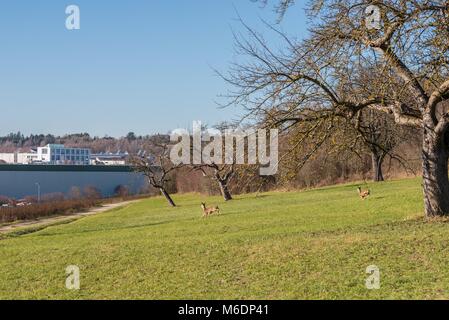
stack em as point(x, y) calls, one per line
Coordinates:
point(224, 190)
point(167, 196)
point(377, 161)
point(435, 155)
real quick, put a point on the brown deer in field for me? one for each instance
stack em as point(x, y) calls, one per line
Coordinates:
point(363, 193)
point(209, 211)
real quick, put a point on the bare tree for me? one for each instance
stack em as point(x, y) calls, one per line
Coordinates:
point(380, 137)
point(158, 168)
point(370, 132)
point(317, 78)
point(222, 174)
point(218, 171)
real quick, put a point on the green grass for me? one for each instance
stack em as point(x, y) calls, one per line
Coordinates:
point(300, 245)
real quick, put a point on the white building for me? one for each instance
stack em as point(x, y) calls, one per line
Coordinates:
point(59, 154)
point(50, 154)
point(109, 159)
point(7, 157)
point(18, 157)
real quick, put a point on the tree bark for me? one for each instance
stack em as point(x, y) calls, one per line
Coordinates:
point(377, 161)
point(224, 190)
point(435, 155)
point(167, 196)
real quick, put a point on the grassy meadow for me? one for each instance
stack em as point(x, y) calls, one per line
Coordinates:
point(314, 244)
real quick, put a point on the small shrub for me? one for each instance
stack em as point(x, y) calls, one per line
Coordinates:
point(45, 209)
point(121, 191)
point(75, 193)
point(92, 193)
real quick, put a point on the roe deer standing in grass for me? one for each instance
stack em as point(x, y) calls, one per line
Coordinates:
point(208, 211)
point(363, 193)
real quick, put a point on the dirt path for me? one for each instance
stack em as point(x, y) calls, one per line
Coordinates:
point(55, 219)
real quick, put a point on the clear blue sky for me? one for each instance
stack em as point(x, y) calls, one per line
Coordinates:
point(138, 65)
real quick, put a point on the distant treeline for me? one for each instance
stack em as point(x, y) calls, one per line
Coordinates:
point(131, 143)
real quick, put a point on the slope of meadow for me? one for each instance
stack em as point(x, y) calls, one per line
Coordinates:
point(298, 245)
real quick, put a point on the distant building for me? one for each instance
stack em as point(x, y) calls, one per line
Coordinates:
point(59, 154)
point(8, 157)
point(109, 159)
point(18, 157)
point(50, 154)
